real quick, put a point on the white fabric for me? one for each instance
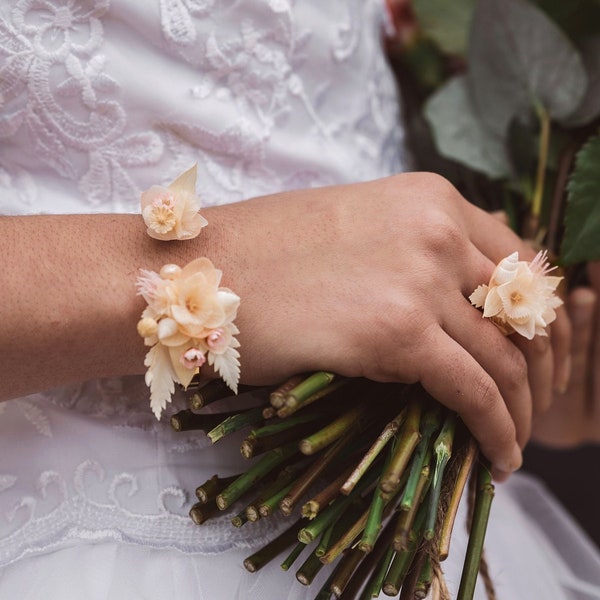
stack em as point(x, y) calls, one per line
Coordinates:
point(99, 100)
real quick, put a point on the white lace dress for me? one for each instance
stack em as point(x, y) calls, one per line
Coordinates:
point(99, 100)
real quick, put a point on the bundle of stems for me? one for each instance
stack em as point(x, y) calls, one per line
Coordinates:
point(372, 473)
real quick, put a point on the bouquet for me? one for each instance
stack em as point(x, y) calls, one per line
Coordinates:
point(502, 97)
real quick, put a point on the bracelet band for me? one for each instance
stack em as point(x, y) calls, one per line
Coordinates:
point(189, 320)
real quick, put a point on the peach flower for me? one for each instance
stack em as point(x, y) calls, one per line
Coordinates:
point(188, 321)
point(521, 296)
point(171, 213)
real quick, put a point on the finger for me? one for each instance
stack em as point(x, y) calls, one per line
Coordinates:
point(581, 305)
point(454, 378)
point(561, 337)
point(500, 358)
point(540, 365)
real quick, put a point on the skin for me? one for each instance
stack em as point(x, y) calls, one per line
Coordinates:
point(367, 279)
point(574, 417)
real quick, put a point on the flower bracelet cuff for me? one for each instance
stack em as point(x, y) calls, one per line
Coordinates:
point(189, 320)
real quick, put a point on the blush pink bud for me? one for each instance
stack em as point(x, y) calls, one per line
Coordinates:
point(192, 358)
point(216, 340)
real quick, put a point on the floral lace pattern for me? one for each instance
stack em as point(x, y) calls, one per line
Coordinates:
point(96, 97)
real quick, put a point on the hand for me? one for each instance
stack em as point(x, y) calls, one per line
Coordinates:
point(574, 417)
point(371, 280)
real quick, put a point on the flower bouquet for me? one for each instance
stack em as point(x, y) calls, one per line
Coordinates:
point(502, 97)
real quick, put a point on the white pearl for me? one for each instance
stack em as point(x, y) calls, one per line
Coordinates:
point(170, 271)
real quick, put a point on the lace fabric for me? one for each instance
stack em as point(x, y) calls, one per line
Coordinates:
point(100, 99)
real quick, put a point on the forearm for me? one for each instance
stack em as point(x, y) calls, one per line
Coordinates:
point(69, 306)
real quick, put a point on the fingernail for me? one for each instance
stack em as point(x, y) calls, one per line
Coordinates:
point(516, 460)
point(563, 375)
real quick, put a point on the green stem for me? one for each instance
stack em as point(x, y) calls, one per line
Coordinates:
point(429, 425)
point(208, 491)
point(265, 555)
point(397, 571)
point(267, 507)
point(467, 459)
point(313, 507)
point(292, 556)
point(309, 569)
point(311, 474)
point(255, 474)
point(538, 192)
point(284, 424)
point(240, 519)
point(481, 513)
point(332, 432)
point(407, 518)
point(355, 530)
point(199, 513)
point(370, 566)
point(404, 558)
point(442, 448)
point(277, 397)
point(325, 540)
point(235, 423)
point(388, 433)
point(309, 386)
point(214, 390)
point(330, 515)
point(424, 580)
point(186, 420)
point(373, 524)
point(373, 588)
point(408, 440)
point(412, 577)
point(345, 569)
point(253, 445)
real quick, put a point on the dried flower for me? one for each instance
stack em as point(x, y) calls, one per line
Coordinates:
point(520, 296)
point(171, 213)
point(188, 320)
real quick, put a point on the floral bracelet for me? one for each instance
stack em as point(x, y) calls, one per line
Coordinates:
point(189, 317)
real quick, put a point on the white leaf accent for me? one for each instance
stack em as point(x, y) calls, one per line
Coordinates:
point(159, 378)
point(227, 366)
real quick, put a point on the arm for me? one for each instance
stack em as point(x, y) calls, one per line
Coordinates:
point(365, 280)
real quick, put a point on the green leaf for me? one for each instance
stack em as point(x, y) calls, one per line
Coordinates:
point(446, 22)
point(581, 241)
point(460, 135)
point(519, 58)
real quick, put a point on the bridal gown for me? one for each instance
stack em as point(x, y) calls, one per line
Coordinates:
point(100, 99)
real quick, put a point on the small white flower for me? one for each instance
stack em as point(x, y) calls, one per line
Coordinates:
point(521, 296)
point(171, 213)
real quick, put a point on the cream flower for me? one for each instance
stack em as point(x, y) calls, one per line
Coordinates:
point(188, 321)
point(171, 213)
point(521, 296)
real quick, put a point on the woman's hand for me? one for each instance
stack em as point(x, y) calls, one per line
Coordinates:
point(368, 280)
point(371, 280)
point(574, 417)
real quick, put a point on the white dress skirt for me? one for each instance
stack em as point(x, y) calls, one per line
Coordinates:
point(100, 100)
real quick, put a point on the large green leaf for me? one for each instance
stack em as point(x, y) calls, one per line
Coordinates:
point(518, 57)
point(581, 241)
point(460, 135)
point(446, 22)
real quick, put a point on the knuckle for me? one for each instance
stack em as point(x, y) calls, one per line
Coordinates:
point(444, 235)
point(485, 395)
